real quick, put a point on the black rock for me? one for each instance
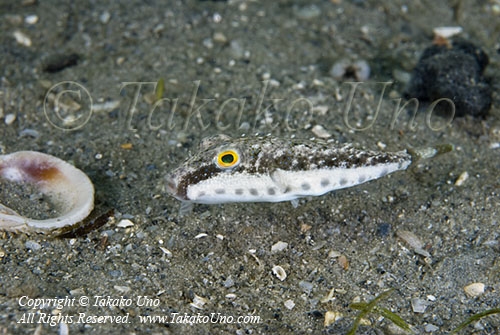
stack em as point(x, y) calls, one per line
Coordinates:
point(455, 73)
point(59, 62)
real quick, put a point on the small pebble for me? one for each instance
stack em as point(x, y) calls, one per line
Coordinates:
point(167, 252)
point(31, 19)
point(220, 38)
point(229, 282)
point(289, 304)
point(29, 133)
point(32, 245)
point(413, 241)
point(122, 289)
point(159, 28)
point(22, 38)
point(331, 317)
point(478, 326)
point(9, 119)
point(317, 82)
point(365, 29)
point(77, 291)
point(306, 286)
point(320, 131)
point(63, 328)
point(104, 17)
point(431, 297)
point(105, 106)
point(430, 328)
point(474, 289)
point(334, 254)
point(115, 273)
point(393, 329)
point(419, 305)
point(343, 262)
point(217, 17)
point(236, 49)
point(208, 43)
point(321, 109)
point(279, 246)
point(462, 178)
point(496, 9)
point(401, 76)
point(274, 83)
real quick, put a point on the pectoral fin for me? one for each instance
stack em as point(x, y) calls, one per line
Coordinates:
point(281, 180)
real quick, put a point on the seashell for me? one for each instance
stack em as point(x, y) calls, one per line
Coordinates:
point(345, 68)
point(279, 246)
point(447, 32)
point(279, 272)
point(474, 289)
point(64, 184)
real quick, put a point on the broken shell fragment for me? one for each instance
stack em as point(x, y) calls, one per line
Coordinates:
point(446, 32)
point(279, 246)
point(331, 317)
point(198, 302)
point(279, 272)
point(346, 68)
point(68, 187)
point(474, 289)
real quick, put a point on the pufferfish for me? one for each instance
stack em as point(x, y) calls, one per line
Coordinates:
point(268, 169)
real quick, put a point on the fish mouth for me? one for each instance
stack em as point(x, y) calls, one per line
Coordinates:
point(171, 186)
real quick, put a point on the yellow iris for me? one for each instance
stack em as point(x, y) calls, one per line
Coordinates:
point(227, 159)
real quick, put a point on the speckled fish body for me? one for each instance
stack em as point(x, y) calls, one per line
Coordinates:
point(273, 170)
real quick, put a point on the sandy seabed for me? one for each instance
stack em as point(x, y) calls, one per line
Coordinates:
point(245, 67)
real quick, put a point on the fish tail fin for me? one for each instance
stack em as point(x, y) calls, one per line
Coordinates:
point(429, 152)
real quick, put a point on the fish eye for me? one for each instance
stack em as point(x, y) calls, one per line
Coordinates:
point(228, 159)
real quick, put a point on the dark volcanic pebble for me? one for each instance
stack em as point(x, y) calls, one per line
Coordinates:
point(59, 62)
point(455, 73)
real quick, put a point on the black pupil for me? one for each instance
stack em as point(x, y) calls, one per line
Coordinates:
point(227, 158)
